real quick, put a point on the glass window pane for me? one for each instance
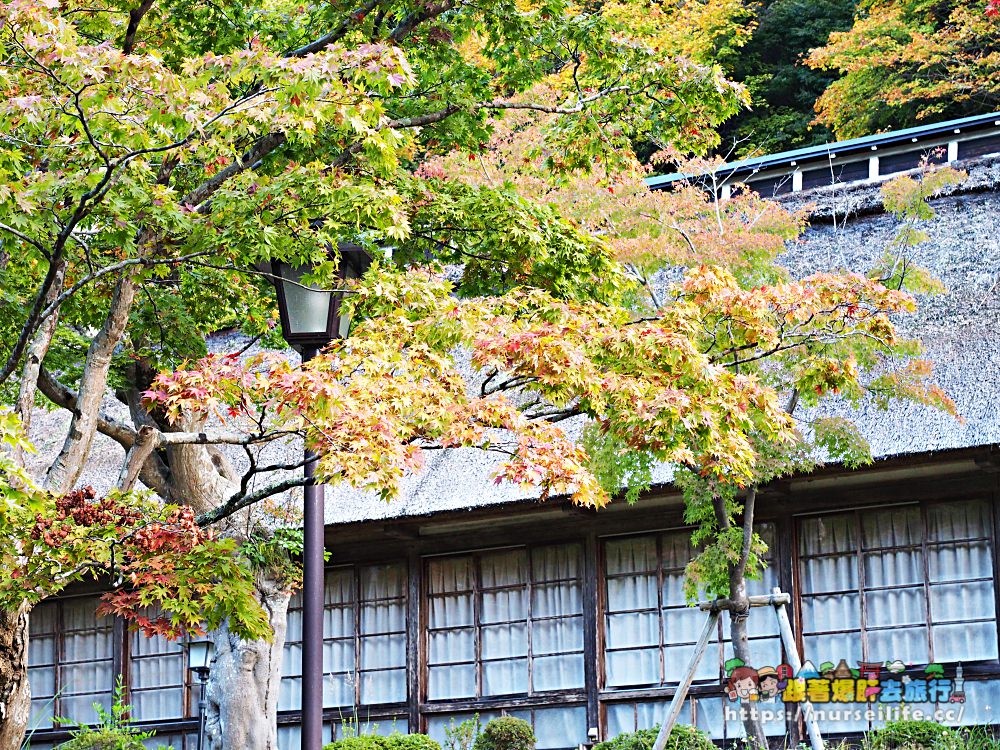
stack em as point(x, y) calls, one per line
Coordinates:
point(502, 641)
point(630, 555)
point(632, 629)
point(382, 651)
point(451, 611)
point(557, 672)
point(505, 677)
point(455, 681)
point(559, 728)
point(829, 574)
point(557, 636)
point(898, 528)
point(338, 690)
point(507, 568)
point(947, 522)
point(383, 582)
point(339, 588)
point(907, 644)
point(894, 568)
point(827, 534)
point(837, 612)
point(383, 617)
point(550, 599)
point(959, 561)
point(387, 686)
point(966, 641)
point(636, 667)
point(555, 563)
point(634, 592)
point(505, 605)
point(449, 575)
point(959, 601)
point(895, 607)
point(447, 646)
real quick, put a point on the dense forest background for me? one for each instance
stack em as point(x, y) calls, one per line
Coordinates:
point(824, 70)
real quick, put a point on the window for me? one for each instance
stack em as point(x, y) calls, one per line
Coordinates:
point(507, 622)
point(156, 677)
point(364, 653)
point(912, 582)
point(651, 631)
point(71, 657)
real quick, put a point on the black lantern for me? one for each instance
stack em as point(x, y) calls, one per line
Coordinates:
point(200, 653)
point(310, 315)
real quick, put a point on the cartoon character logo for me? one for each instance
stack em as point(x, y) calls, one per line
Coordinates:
point(743, 684)
point(768, 684)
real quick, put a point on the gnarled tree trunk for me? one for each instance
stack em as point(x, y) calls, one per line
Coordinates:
point(15, 695)
point(246, 675)
point(245, 680)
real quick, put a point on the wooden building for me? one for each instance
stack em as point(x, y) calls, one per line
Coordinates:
point(465, 597)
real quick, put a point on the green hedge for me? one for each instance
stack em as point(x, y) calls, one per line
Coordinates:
point(682, 737)
point(506, 733)
point(394, 741)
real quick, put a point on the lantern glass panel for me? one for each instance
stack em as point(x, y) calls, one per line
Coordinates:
point(308, 305)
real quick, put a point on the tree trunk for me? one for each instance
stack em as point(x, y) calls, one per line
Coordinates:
point(15, 695)
point(740, 611)
point(741, 650)
point(245, 680)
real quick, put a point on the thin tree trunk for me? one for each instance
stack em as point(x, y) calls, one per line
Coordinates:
point(68, 465)
point(245, 681)
point(15, 695)
point(740, 611)
point(33, 358)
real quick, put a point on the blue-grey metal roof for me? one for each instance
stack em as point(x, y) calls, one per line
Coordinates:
point(784, 158)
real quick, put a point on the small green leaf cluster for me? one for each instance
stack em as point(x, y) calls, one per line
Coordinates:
point(506, 733)
point(682, 737)
point(394, 741)
point(615, 466)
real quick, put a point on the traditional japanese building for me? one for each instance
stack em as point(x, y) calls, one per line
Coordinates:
point(467, 597)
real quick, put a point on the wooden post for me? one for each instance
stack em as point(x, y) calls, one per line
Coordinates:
point(678, 700)
point(792, 653)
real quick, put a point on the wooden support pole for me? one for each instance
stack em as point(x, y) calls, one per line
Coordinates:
point(792, 654)
point(677, 704)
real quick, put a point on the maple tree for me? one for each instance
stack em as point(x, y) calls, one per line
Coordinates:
point(152, 153)
point(151, 156)
point(907, 61)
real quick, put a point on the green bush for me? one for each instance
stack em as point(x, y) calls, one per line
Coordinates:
point(506, 733)
point(913, 735)
point(682, 737)
point(102, 739)
point(114, 732)
point(394, 741)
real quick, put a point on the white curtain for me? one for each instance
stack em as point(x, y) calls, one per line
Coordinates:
point(158, 668)
point(529, 624)
point(373, 625)
point(952, 545)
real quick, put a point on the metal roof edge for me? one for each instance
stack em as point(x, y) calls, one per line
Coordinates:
point(852, 144)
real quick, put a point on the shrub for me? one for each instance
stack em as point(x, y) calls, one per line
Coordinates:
point(506, 733)
point(394, 741)
point(462, 736)
point(114, 732)
point(682, 737)
point(913, 735)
